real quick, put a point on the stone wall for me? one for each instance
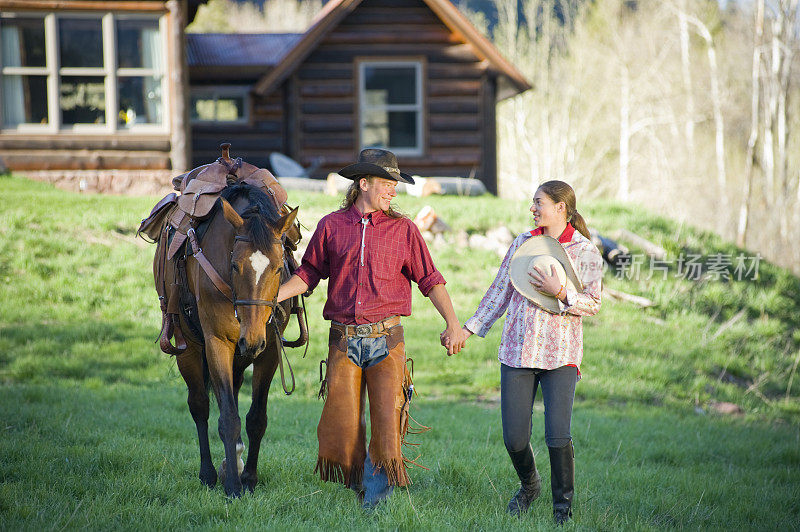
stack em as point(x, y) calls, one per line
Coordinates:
point(126, 182)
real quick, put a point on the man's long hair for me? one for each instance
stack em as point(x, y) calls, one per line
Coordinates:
point(354, 190)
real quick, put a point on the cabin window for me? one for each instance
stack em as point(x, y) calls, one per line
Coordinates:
point(219, 105)
point(390, 96)
point(86, 72)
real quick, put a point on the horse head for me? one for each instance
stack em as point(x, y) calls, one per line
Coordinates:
point(256, 264)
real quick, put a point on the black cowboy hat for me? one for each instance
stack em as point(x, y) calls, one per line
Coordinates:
point(377, 162)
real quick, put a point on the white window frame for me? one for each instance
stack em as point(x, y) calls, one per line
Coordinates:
point(143, 72)
point(216, 92)
point(108, 71)
point(418, 107)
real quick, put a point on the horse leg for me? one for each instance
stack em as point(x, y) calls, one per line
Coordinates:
point(239, 365)
point(190, 364)
point(263, 370)
point(219, 354)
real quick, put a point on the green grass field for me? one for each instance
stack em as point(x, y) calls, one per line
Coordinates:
point(96, 433)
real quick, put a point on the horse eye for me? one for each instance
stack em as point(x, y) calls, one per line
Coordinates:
point(235, 267)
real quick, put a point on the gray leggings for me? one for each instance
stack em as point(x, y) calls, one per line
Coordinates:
point(517, 391)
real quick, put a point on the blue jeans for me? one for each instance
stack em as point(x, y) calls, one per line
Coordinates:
point(366, 352)
point(376, 484)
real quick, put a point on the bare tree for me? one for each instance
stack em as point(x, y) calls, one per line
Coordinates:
point(272, 16)
point(755, 88)
point(683, 28)
point(719, 123)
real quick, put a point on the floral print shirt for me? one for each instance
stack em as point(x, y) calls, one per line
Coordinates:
point(532, 337)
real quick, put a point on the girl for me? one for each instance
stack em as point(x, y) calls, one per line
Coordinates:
point(539, 348)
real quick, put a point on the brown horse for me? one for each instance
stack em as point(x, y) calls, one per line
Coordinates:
point(243, 246)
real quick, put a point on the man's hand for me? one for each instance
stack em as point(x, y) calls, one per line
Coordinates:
point(453, 339)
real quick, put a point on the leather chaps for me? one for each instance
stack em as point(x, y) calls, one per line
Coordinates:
point(342, 426)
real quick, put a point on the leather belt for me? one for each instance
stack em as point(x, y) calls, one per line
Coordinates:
point(367, 330)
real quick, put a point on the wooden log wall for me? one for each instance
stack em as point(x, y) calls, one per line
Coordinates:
point(326, 91)
point(79, 152)
point(253, 142)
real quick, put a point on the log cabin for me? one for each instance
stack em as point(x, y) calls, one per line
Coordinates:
point(114, 95)
point(93, 92)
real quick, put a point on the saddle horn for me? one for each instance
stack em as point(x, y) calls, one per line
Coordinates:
point(226, 151)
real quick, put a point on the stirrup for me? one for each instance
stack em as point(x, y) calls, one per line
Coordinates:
point(168, 329)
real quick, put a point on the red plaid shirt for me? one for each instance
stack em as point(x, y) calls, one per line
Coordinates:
point(370, 284)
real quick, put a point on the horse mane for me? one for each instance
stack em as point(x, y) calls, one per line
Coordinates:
point(261, 214)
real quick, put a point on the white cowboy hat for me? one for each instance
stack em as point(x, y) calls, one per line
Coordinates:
point(542, 252)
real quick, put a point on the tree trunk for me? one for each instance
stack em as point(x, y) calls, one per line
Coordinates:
point(755, 87)
point(623, 192)
point(683, 26)
point(719, 124)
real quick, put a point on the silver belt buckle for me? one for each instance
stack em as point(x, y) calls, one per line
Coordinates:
point(363, 330)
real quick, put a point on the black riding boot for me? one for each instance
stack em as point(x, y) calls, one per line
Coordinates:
point(530, 486)
point(562, 481)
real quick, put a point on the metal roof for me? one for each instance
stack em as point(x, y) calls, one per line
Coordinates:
point(238, 49)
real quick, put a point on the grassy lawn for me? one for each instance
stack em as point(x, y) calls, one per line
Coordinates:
point(96, 433)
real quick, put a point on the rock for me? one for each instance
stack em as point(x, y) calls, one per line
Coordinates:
point(479, 241)
point(726, 409)
point(502, 235)
point(497, 242)
point(462, 239)
point(427, 220)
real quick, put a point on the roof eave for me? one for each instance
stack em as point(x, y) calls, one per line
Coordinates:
point(457, 22)
point(448, 13)
point(333, 12)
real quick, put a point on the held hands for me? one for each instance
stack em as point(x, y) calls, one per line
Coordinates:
point(454, 339)
point(549, 284)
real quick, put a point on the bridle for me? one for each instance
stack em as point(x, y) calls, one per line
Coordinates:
point(228, 291)
point(271, 303)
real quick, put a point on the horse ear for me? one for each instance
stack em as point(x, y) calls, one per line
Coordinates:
point(287, 220)
point(231, 215)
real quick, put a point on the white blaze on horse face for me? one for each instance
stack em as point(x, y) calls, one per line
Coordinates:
point(259, 262)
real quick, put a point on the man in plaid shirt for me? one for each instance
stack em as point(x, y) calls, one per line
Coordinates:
point(370, 254)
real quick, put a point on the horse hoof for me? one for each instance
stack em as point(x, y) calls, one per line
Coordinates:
point(234, 493)
point(209, 478)
point(249, 482)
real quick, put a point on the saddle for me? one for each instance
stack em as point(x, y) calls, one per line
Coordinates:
point(176, 216)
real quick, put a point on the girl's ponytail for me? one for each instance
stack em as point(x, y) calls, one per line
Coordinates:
point(579, 224)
